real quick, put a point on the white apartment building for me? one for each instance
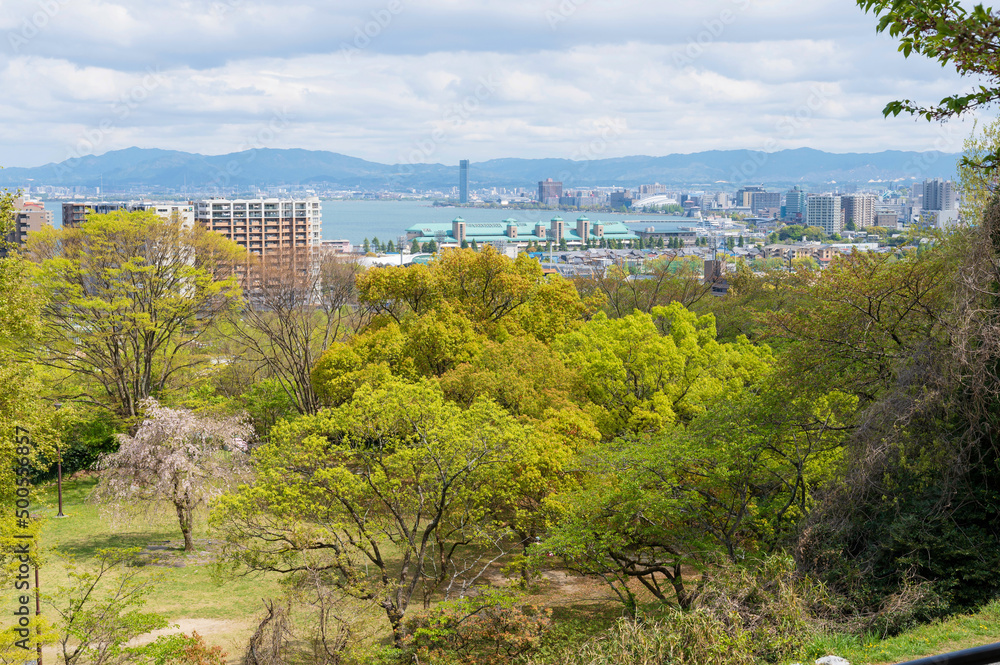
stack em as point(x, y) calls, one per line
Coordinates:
point(265, 227)
point(823, 210)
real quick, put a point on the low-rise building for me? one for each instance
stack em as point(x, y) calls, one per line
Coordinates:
point(511, 232)
point(29, 217)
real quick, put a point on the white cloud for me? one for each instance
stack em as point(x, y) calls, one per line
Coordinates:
point(448, 79)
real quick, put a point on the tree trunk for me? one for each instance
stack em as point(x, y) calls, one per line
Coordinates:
point(185, 518)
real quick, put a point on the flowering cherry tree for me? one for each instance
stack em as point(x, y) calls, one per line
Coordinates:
point(175, 457)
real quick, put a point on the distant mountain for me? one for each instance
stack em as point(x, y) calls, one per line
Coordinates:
point(149, 168)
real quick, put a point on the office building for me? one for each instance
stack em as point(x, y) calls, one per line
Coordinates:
point(620, 199)
point(823, 210)
point(743, 195)
point(860, 209)
point(887, 218)
point(463, 181)
point(765, 204)
point(795, 205)
point(549, 192)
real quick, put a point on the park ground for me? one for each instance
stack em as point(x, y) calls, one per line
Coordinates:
point(225, 609)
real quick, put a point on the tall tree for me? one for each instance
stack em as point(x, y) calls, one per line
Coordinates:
point(128, 299)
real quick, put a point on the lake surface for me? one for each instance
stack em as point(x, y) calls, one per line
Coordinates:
point(388, 220)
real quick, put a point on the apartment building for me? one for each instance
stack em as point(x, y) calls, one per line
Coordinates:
point(283, 232)
point(75, 213)
point(859, 208)
point(824, 210)
point(29, 217)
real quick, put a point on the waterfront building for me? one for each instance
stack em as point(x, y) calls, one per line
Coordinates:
point(74, 213)
point(281, 231)
point(29, 217)
point(549, 191)
point(511, 232)
point(463, 181)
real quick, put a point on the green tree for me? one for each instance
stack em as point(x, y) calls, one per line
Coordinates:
point(952, 34)
point(390, 248)
point(432, 247)
point(562, 245)
point(498, 295)
point(101, 610)
point(129, 298)
point(366, 246)
point(734, 483)
point(389, 496)
point(475, 247)
point(415, 247)
point(643, 372)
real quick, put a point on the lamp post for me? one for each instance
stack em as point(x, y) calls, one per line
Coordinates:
point(59, 471)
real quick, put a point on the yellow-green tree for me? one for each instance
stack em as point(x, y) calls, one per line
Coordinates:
point(128, 299)
point(644, 372)
point(498, 295)
point(389, 498)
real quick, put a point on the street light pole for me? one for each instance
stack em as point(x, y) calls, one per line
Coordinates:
point(59, 479)
point(58, 406)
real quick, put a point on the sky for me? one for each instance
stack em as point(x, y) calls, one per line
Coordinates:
point(435, 81)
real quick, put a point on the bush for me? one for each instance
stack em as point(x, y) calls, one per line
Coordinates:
point(742, 615)
point(695, 637)
point(493, 628)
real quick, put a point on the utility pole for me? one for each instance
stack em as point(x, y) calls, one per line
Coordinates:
point(38, 609)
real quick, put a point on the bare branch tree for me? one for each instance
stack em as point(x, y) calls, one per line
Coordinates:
point(294, 310)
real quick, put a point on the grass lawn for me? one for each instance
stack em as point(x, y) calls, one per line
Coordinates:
point(955, 633)
point(225, 612)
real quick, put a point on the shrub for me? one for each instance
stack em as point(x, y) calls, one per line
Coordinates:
point(492, 628)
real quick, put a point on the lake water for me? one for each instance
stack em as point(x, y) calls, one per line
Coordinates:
point(388, 220)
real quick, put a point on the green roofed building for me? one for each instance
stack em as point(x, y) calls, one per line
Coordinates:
point(512, 232)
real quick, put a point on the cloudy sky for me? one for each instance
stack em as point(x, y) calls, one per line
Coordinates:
point(401, 81)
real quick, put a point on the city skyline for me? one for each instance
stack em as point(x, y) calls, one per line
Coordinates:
point(435, 83)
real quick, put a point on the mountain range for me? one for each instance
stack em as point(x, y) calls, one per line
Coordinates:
point(151, 169)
